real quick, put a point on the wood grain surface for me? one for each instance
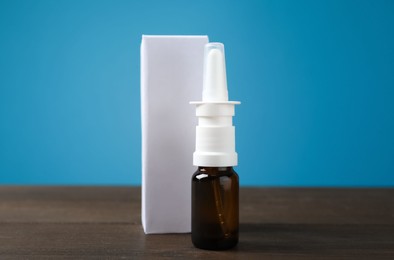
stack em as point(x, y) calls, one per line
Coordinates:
point(275, 223)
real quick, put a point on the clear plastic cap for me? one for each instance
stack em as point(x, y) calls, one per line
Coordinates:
point(215, 80)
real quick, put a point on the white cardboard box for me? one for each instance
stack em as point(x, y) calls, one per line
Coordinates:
point(171, 76)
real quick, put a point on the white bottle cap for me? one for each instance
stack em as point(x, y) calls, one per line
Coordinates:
point(215, 133)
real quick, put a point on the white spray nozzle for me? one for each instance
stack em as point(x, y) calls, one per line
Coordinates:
point(215, 133)
point(215, 81)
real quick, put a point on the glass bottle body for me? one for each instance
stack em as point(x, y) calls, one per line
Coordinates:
point(215, 213)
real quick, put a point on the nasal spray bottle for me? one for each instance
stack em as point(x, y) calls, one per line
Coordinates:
point(215, 184)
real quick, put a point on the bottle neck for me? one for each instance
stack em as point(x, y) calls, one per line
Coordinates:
point(215, 170)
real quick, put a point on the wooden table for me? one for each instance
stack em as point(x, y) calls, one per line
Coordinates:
point(275, 223)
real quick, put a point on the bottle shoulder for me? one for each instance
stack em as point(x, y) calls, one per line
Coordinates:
point(205, 173)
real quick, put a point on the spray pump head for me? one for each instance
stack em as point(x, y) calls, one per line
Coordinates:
point(215, 133)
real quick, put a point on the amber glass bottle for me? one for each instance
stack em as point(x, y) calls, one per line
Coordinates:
point(215, 208)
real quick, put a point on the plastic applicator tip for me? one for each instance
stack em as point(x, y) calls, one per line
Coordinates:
point(215, 81)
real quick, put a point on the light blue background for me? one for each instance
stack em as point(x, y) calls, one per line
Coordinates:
point(316, 81)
